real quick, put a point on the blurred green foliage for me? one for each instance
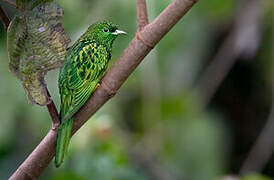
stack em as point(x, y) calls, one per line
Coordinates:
point(154, 127)
point(255, 177)
point(29, 4)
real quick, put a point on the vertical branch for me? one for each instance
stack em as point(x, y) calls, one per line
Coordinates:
point(53, 113)
point(4, 18)
point(142, 16)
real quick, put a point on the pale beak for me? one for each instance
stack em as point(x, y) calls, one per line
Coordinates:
point(117, 32)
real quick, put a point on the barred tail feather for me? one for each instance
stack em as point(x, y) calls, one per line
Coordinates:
point(63, 138)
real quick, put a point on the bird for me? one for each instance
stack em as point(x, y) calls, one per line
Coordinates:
point(85, 64)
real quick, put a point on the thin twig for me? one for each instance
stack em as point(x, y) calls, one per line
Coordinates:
point(142, 16)
point(53, 113)
point(143, 153)
point(10, 2)
point(4, 18)
point(113, 80)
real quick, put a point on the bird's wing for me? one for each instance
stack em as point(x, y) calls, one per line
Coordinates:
point(80, 76)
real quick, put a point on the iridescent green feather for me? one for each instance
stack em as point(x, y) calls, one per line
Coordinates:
point(85, 65)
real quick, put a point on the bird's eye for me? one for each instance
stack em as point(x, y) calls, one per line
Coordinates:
point(106, 30)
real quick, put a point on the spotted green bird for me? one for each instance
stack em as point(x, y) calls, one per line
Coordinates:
point(85, 64)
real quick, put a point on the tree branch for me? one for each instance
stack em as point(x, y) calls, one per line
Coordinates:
point(53, 113)
point(138, 48)
point(142, 16)
point(10, 2)
point(4, 18)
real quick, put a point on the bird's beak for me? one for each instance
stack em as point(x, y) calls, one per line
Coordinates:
point(117, 32)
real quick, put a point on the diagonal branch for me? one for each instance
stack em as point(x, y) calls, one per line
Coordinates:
point(132, 56)
point(142, 16)
point(10, 2)
point(4, 18)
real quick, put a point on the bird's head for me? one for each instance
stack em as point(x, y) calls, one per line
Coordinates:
point(104, 32)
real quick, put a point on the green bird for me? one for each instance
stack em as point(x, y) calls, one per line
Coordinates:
point(85, 64)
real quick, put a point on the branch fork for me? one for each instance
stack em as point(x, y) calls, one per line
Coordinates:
point(147, 36)
point(142, 15)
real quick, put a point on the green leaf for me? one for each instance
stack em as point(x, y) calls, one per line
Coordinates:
point(36, 44)
point(30, 4)
point(255, 177)
point(17, 33)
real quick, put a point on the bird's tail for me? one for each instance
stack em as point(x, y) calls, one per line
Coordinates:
point(63, 138)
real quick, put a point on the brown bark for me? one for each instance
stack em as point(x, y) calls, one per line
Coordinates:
point(53, 113)
point(142, 17)
point(138, 48)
